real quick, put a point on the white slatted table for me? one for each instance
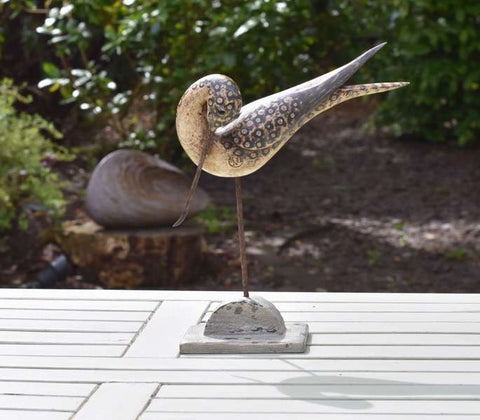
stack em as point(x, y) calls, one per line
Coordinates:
point(97, 354)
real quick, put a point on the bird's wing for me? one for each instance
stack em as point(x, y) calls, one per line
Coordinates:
point(269, 122)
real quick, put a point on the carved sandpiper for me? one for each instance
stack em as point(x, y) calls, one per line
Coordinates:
point(226, 139)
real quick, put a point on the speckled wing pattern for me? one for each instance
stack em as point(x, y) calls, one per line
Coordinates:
point(266, 124)
point(263, 130)
point(272, 123)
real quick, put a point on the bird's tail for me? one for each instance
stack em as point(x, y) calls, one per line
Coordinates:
point(346, 93)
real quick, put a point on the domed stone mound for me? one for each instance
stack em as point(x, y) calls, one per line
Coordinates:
point(246, 316)
point(246, 325)
point(133, 189)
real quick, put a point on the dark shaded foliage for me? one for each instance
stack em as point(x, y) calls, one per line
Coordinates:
point(112, 57)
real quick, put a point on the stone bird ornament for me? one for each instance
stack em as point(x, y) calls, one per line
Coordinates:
point(226, 139)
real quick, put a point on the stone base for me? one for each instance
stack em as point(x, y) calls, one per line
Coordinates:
point(293, 341)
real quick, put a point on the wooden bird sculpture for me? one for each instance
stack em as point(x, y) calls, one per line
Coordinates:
point(226, 139)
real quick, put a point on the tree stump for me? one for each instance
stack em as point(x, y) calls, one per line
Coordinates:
point(132, 258)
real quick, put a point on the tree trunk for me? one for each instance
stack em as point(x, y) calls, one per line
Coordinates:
point(132, 258)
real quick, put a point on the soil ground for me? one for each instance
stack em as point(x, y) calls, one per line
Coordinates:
point(343, 210)
point(339, 209)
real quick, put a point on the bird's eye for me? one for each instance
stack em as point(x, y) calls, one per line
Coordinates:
point(221, 111)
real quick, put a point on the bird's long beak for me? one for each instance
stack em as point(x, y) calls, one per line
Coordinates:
point(196, 178)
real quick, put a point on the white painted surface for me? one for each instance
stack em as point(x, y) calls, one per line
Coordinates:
point(387, 356)
point(62, 315)
point(239, 377)
point(213, 363)
point(161, 336)
point(322, 392)
point(40, 402)
point(395, 327)
point(77, 304)
point(34, 337)
point(371, 352)
point(67, 350)
point(433, 317)
point(68, 326)
point(226, 405)
point(34, 415)
point(122, 401)
point(46, 388)
point(395, 339)
point(296, 416)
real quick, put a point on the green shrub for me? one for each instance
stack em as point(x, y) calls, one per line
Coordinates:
point(218, 219)
point(126, 63)
point(112, 56)
point(435, 45)
point(25, 159)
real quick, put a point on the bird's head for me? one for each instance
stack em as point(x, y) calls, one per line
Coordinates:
point(224, 100)
point(212, 102)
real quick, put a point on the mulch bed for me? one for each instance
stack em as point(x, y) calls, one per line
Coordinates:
point(338, 209)
point(343, 210)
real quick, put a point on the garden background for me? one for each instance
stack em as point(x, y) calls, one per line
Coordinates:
point(374, 195)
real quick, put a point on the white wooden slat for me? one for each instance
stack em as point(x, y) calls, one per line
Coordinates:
point(39, 314)
point(381, 317)
point(247, 392)
point(61, 350)
point(298, 416)
point(37, 402)
point(33, 415)
point(170, 321)
point(121, 401)
point(46, 388)
point(66, 326)
point(394, 327)
point(395, 339)
point(29, 337)
point(77, 304)
point(371, 352)
point(238, 377)
point(214, 363)
point(157, 295)
point(315, 406)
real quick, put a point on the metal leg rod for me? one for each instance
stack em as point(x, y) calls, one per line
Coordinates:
point(241, 236)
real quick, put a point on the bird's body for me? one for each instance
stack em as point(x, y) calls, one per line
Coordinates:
point(244, 138)
point(228, 140)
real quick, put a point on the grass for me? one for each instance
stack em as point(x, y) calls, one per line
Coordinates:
point(458, 255)
point(374, 256)
point(217, 220)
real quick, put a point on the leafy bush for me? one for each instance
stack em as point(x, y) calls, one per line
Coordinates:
point(25, 159)
point(126, 63)
point(218, 219)
point(433, 44)
point(113, 56)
